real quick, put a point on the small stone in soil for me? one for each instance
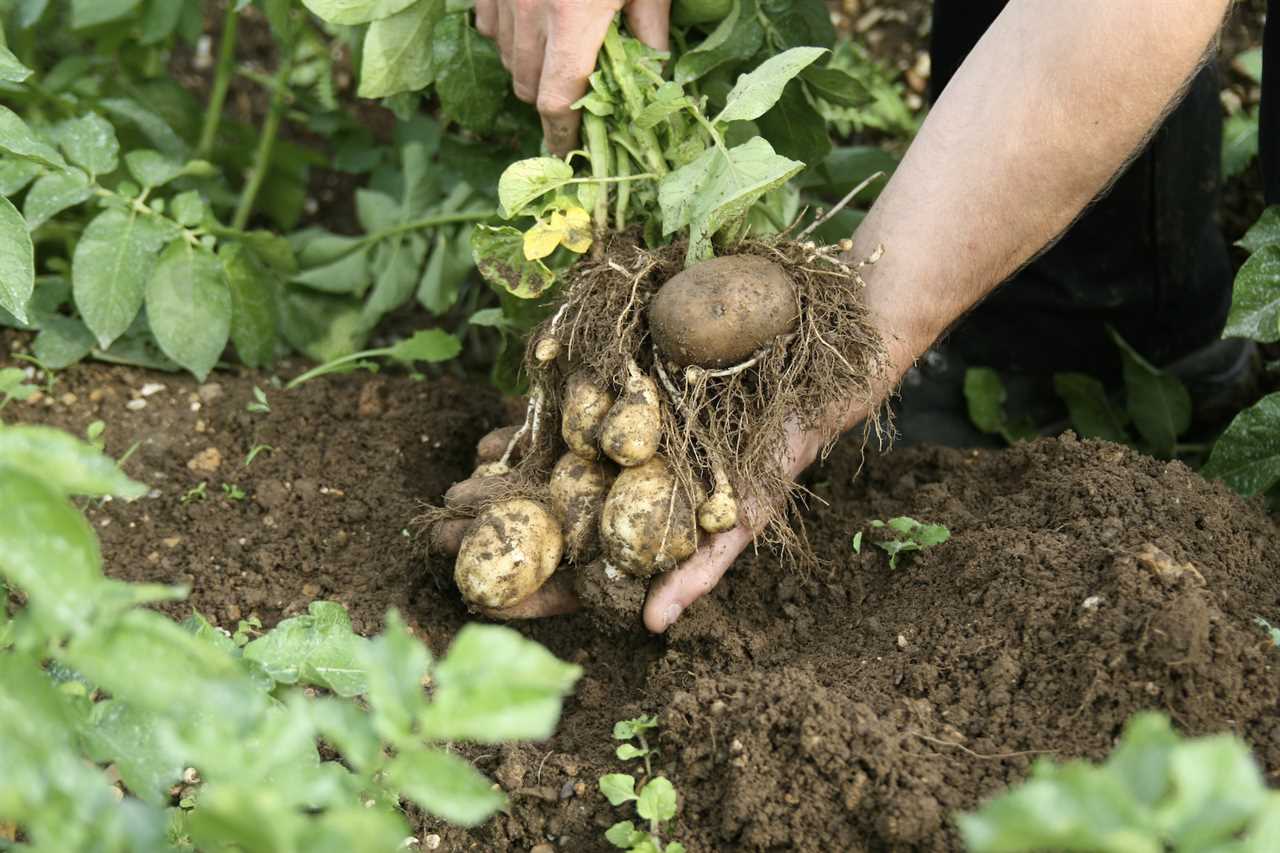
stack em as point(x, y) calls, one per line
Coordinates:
point(206, 461)
point(136, 405)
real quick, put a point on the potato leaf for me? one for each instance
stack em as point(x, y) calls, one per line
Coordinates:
point(139, 744)
point(351, 12)
point(91, 13)
point(1092, 415)
point(1264, 232)
point(736, 38)
point(89, 141)
point(63, 463)
point(1247, 456)
point(189, 307)
point(16, 139)
point(1255, 302)
point(618, 788)
point(1158, 402)
point(397, 51)
point(657, 800)
point(318, 648)
point(470, 80)
point(445, 786)
point(254, 307)
point(11, 70)
point(1239, 142)
point(499, 256)
point(757, 91)
point(17, 262)
point(525, 181)
point(53, 193)
point(110, 268)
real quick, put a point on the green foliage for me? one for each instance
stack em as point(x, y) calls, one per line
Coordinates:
point(655, 799)
point(902, 535)
point(1240, 130)
point(219, 721)
point(1156, 792)
point(985, 396)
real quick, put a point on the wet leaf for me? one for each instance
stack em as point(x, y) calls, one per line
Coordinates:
point(17, 262)
point(1247, 456)
point(89, 141)
point(1255, 302)
point(53, 193)
point(318, 648)
point(189, 307)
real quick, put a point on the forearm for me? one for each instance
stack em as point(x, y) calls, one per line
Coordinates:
point(1046, 110)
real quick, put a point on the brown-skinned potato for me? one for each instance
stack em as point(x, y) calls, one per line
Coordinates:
point(577, 489)
point(510, 551)
point(586, 405)
point(648, 522)
point(633, 428)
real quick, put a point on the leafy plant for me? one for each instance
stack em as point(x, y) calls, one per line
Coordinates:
point(1240, 131)
point(1157, 791)
point(90, 679)
point(1272, 631)
point(13, 386)
point(258, 404)
point(431, 345)
point(912, 536)
point(985, 396)
point(655, 801)
point(233, 492)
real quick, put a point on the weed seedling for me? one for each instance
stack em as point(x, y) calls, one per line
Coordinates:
point(93, 434)
point(197, 493)
point(255, 450)
point(1271, 630)
point(655, 801)
point(259, 403)
point(233, 492)
point(13, 386)
point(912, 536)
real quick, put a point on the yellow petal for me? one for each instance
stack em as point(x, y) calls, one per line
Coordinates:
point(540, 241)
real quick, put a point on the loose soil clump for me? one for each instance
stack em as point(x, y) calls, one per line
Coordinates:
point(848, 708)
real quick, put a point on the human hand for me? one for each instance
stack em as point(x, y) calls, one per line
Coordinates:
point(550, 48)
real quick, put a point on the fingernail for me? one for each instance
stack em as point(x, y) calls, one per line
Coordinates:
point(670, 615)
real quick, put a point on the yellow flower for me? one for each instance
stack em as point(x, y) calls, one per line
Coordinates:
point(570, 228)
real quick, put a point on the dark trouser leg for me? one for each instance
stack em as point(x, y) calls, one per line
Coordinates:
point(1146, 258)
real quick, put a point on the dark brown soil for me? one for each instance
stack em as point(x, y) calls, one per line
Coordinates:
point(854, 709)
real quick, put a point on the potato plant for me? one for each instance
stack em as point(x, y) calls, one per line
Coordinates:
point(215, 738)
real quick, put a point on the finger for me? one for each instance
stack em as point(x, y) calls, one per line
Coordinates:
point(494, 445)
point(553, 598)
point(672, 593)
point(446, 536)
point(506, 32)
point(530, 46)
point(487, 17)
point(650, 21)
point(573, 41)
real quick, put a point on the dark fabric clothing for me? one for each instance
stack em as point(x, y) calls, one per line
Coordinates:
point(1269, 142)
point(1147, 258)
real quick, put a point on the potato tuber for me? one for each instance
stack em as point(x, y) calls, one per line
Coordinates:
point(578, 488)
point(586, 405)
point(648, 521)
point(631, 431)
point(509, 552)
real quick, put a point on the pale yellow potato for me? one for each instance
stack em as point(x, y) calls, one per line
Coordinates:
point(648, 522)
point(510, 551)
point(585, 407)
point(633, 428)
point(578, 488)
point(719, 512)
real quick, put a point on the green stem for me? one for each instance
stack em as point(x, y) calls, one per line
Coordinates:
point(624, 188)
point(333, 366)
point(597, 134)
point(221, 83)
point(270, 130)
point(616, 54)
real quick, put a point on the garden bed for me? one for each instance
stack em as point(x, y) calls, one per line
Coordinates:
point(855, 708)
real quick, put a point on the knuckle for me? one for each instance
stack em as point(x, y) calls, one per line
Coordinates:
point(525, 92)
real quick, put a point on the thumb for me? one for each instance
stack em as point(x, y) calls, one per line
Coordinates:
point(673, 592)
point(650, 21)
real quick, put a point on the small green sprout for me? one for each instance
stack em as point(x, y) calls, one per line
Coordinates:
point(246, 630)
point(255, 450)
point(1272, 630)
point(13, 386)
point(233, 492)
point(914, 536)
point(259, 403)
point(196, 493)
point(655, 801)
point(93, 434)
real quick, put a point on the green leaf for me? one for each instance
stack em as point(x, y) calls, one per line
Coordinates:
point(619, 788)
point(657, 800)
point(499, 256)
point(189, 307)
point(351, 12)
point(627, 751)
point(319, 649)
point(1255, 302)
point(254, 311)
point(89, 141)
point(53, 193)
point(445, 786)
point(628, 729)
point(1239, 142)
point(109, 271)
point(857, 542)
point(16, 139)
point(984, 394)
point(92, 13)
point(11, 70)
point(758, 90)
point(140, 746)
point(16, 174)
point(62, 341)
point(1157, 401)
point(396, 663)
point(525, 181)
point(1092, 415)
point(17, 262)
point(151, 168)
point(429, 345)
point(64, 463)
point(187, 208)
point(1247, 456)
point(1249, 63)
point(495, 685)
point(795, 128)
point(48, 551)
point(447, 270)
point(398, 51)
point(470, 80)
point(399, 264)
point(1265, 231)
point(838, 87)
point(624, 835)
point(737, 37)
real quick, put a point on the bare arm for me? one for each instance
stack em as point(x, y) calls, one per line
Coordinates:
point(1049, 106)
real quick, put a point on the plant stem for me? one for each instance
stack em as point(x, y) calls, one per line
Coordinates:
point(221, 83)
point(648, 766)
point(270, 130)
point(333, 366)
point(598, 150)
point(624, 188)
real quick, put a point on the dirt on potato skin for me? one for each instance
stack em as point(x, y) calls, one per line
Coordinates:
point(851, 709)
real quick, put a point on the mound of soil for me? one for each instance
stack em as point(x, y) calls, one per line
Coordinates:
point(854, 708)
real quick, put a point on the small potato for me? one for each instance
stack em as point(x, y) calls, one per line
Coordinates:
point(719, 512)
point(719, 312)
point(508, 554)
point(491, 469)
point(578, 488)
point(631, 431)
point(474, 492)
point(648, 522)
point(447, 535)
point(586, 405)
point(491, 447)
